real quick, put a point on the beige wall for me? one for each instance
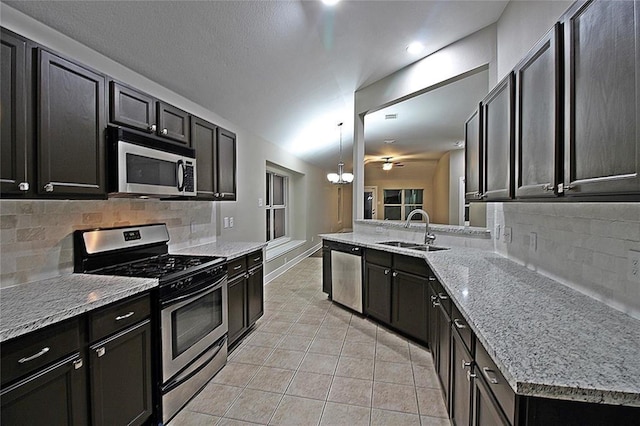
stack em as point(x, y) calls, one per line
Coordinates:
point(414, 175)
point(441, 190)
point(456, 171)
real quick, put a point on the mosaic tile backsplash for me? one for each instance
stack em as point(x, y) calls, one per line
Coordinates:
point(36, 236)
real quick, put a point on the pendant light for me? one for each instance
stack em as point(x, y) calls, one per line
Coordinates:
point(341, 177)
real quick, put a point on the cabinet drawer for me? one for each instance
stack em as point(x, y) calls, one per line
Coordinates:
point(236, 266)
point(461, 326)
point(119, 316)
point(379, 257)
point(412, 265)
point(496, 381)
point(24, 355)
point(254, 259)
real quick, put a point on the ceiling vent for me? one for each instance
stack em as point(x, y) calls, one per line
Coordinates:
point(390, 116)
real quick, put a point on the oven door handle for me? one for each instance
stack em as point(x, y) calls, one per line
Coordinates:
point(187, 373)
point(212, 287)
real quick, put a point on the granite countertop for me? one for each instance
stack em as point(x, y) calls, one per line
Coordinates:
point(547, 339)
point(230, 250)
point(29, 307)
point(433, 227)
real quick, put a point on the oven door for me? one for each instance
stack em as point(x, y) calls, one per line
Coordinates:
point(190, 324)
point(148, 171)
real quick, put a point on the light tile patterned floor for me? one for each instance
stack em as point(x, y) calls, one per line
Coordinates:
point(311, 362)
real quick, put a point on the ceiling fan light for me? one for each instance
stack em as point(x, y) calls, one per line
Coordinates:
point(387, 166)
point(330, 2)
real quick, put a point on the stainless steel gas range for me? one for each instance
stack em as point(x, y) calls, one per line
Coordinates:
point(190, 304)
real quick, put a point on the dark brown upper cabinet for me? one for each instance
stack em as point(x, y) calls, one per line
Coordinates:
point(498, 125)
point(602, 99)
point(173, 123)
point(16, 176)
point(71, 128)
point(226, 172)
point(539, 119)
point(131, 108)
point(203, 138)
point(473, 156)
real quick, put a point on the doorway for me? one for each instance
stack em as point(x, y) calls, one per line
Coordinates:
point(370, 202)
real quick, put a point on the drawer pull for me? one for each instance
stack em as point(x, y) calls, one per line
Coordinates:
point(443, 296)
point(458, 323)
point(488, 373)
point(466, 364)
point(434, 301)
point(470, 376)
point(125, 316)
point(100, 351)
point(34, 356)
point(395, 274)
point(432, 278)
point(77, 364)
point(386, 271)
point(235, 268)
point(257, 259)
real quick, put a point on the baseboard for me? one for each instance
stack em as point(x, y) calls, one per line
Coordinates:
point(290, 264)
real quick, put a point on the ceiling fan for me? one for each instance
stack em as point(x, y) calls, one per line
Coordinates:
point(388, 164)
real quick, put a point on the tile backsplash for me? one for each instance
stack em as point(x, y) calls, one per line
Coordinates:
point(586, 246)
point(36, 236)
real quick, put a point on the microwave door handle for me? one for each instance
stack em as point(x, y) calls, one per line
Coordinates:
point(180, 171)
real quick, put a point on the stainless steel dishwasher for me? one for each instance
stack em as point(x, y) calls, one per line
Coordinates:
point(346, 276)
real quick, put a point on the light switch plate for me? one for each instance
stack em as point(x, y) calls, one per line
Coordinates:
point(192, 227)
point(225, 222)
point(259, 202)
point(231, 222)
point(533, 242)
point(497, 232)
point(507, 234)
point(633, 270)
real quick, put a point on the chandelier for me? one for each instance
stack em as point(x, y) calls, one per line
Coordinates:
point(341, 177)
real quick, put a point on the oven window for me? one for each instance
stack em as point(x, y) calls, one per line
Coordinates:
point(195, 320)
point(150, 171)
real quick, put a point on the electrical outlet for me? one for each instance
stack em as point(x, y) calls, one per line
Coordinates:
point(497, 232)
point(533, 242)
point(633, 271)
point(507, 234)
point(312, 238)
point(192, 227)
point(259, 202)
point(225, 222)
point(231, 222)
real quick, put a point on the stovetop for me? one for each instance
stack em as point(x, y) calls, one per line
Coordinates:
point(162, 266)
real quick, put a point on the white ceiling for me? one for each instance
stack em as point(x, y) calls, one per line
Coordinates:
point(284, 70)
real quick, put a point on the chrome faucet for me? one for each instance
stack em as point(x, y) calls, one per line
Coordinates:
point(429, 238)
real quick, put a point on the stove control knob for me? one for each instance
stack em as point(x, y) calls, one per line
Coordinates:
point(179, 284)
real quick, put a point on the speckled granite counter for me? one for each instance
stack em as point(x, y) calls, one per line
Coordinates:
point(547, 339)
point(230, 250)
point(29, 307)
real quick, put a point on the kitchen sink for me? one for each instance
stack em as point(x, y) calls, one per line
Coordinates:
point(412, 246)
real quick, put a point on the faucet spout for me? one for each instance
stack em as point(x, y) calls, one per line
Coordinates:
point(429, 238)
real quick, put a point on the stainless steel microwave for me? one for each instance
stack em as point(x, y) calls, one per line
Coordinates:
point(144, 165)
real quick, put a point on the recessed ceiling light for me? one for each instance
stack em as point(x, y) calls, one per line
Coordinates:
point(330, 2)
point(415, 48)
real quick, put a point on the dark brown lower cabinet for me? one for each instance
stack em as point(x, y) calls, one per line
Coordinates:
point(326, 269)
point(443, 362)
point(486, 410)
point(409, 304)
point(237, 308)
point(377, 292)
point(255, 294)
point(55, 395)
point(462, 363)
point(121, 377)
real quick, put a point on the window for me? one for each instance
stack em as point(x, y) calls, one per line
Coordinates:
point(276, 206)
point(398, 203)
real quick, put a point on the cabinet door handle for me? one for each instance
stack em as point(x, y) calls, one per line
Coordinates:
point(395, 274)
point(164, 132)
point(431, 278)
point(355, 249)
point(77, 364)
point(466, 364)
point(246, 275)
point(489, 374)
point(386, 271)
point(257, 259)
point(235, 268)
point(434, 301)
point(152, 128)
point(458, 323)
point(34, 356)
point(470, 375)
point(443, 296)
point(23, 186)
point(125, 316)
point(48, 187)
point(101, 351)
